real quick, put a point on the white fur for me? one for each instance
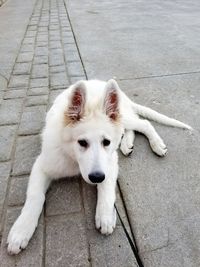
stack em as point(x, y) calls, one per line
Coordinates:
point(62, 155)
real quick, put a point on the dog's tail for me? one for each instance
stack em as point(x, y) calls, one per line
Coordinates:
point(155, 116)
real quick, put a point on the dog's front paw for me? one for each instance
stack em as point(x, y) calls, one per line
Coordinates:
point(126, 151)
point(159, 147)
point(19, 235)
point(126, 145)
point(105, 222)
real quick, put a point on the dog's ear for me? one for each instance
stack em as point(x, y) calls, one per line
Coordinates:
point(111, 101)
point(75, 109)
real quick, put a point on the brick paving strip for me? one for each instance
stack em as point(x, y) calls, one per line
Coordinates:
point(47, 62)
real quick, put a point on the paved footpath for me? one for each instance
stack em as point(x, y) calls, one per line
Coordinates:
point(38, 62)
point(152, 47)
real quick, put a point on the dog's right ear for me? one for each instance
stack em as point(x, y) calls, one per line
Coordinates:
point(75, 109)
point(111, 101)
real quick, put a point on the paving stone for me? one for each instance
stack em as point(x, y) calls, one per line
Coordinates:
point(59, 79)
point(42, 29)
point(42, 38)
point(54, 94)
point(76, 79)
point(75, 68)
point(7, 137)
point(29, 40)
point(43, 23)
point(70, 48)
point(63, 197)
point(5, 168)
point(42, 44)
point(40, 60)
point(65, 23)
point(31, 33)
point(27, 149)
point(72, 56)
point(67, 34)
point(17, 191)
point(33, 23)
point(10, 111)
point(32, 28)
point(27, 48)
point(55, 45)
point(54, 27)
point(32, 120)
point(22, 68)
point(39, 82)
point(55, 37)
point(25, 57)
point(66, 241)
point(41, 51)
point(56, 58)
point(112, 250)
point(19, 93)
point(68, 40)
point(38, 91)
point(19, 81)
point(32, 255)
point(37, 100)
point(40, 71)
point(60, 68)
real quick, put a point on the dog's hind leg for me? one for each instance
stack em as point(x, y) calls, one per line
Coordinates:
point(25, 225)
point(145, 127)
point(127, 142)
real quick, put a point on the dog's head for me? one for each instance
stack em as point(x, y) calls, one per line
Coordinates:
point(93, 130)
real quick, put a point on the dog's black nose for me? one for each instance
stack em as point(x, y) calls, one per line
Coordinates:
point(96, 177)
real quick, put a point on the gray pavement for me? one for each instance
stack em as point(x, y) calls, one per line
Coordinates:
point(152, 48)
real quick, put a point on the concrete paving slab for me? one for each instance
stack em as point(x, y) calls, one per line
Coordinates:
point(136, 38)
point(110, 251)
point(12, 15)
point(161, 193)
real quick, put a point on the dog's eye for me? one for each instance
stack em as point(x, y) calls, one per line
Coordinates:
point(106, 142)
point(83, 143)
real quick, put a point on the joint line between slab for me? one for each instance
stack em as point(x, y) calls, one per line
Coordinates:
point(79, 53)
point(158, 76)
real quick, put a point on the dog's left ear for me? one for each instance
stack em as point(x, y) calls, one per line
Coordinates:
point(76, 104)
point(111, 101)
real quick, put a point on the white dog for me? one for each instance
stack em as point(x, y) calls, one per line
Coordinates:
point(83, 131)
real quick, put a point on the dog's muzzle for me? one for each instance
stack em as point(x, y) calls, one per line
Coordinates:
point(96, 177)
